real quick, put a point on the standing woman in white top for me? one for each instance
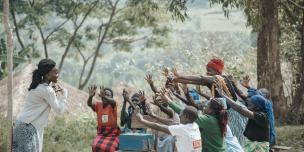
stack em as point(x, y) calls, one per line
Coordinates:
point(33, 118)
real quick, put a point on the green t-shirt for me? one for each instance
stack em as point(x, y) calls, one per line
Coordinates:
point(212, 141)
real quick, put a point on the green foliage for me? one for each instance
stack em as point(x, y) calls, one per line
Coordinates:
point(17, 59)
point(290, 17)
point(72, 134)
point(225, 46)
point(178, 9)
point(130, 17)
point(130, 68)
point(62, 134)
point(3, 133)
point(87, 28)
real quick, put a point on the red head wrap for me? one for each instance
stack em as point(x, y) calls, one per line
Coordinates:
point(216, 64)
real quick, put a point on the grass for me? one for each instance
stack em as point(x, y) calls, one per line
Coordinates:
point(68, 135)
point(3, 133)
point(291, 136)
point(61, 135)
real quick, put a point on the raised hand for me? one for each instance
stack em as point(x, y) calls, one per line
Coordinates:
point(56, 87)
point(165, 72)
point(185, 88)
point(142, 97)
point(157, 100)
point(232, 79)
point(139, 116)
point(175, 73)
point(125, 95)
point(198, 88)
point(92, 90)
point(245, 81)
point(169, 82)
point(65, 93)
point(166, 95)
point(148, 78)
point(102, 91)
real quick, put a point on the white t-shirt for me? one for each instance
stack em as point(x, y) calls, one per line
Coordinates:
point(188, 137)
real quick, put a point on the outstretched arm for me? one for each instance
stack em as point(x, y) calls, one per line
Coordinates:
point(234, 105)
point(105, 98)
point(161, 120)
point(178, 96)
point(111, 101)
point(239, 92)
point(92, 91)
point(187, 102)
point(239, 108)
point(199, 91)
point(166, 110)
point(168, 98)
point(148, 78)
point(165, 121)
point(198, 80)
point(204, 95)
point(153, 125)
point(123, 114)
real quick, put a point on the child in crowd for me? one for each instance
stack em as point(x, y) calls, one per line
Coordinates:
point(137, 100)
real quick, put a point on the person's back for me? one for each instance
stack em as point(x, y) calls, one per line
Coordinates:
point(210, 133)
point(188, 137)
point(257, 129)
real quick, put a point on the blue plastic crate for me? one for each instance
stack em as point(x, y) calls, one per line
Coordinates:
point(136, 142)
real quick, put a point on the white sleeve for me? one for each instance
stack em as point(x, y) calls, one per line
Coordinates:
point(176, 130)
point(57, 105)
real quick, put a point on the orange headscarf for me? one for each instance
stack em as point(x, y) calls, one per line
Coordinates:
point(216, 64)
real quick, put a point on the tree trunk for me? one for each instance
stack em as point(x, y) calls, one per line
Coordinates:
point(268, 57)
point(46, 54)
point(72, 38)
point(108, 25)
point(17, 28)
point(82, 73)
point(298, 99)
point(9, 45)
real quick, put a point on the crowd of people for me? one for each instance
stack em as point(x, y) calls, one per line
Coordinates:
point(190, 120)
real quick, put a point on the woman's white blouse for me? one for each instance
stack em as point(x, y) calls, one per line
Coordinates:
point(38, 105)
